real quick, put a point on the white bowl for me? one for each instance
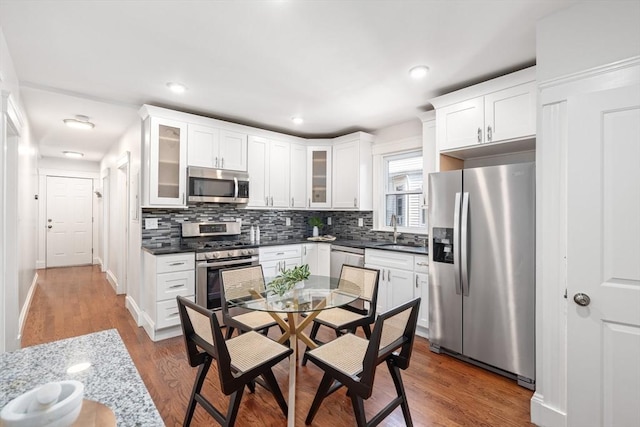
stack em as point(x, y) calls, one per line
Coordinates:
point(52, 405)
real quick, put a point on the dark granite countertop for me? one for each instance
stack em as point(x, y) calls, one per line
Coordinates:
point(362, 244)
point(112, 379)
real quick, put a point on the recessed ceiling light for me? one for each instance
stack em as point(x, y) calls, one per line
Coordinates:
point(419, 71)
point(73, 154)
point(80, 122)
point(297, 120)
point(176, 87)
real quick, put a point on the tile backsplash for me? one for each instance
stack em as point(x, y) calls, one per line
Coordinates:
point(344, 225)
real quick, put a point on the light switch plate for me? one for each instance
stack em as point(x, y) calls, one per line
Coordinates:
point(287, 221)
point(329, 221)
point(151, 223)
point(360, 222)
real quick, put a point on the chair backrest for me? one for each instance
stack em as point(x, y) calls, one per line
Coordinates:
point(201, 329)
point(394, 330)
point(367, 280)
point(237, 283)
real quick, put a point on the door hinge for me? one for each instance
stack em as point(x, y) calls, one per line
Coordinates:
point(91, 219)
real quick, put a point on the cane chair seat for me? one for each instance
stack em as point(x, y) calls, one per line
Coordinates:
point(252, 349)
point(345, 353)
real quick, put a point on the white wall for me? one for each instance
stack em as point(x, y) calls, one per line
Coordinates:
point(18, 164)
point(409, 129)
point(131, 143)
point(587, 35)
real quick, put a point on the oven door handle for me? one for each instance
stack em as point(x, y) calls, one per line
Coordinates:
point(225, 263)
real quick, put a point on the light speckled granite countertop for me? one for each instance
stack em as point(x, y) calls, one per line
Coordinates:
point(112, 379)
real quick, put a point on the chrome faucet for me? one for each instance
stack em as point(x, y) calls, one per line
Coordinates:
point(394, 224)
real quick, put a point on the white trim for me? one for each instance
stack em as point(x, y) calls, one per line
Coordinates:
point(98, 261)
point(134, 309)
point(27, 304)
point(398, 146)
point(591, 72)
point(40, 264)
point(162, 334)
point(123, 160)
point(113, 281)
point(68, 174)
point(544, 415)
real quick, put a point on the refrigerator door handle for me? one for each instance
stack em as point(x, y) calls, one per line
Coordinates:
point(464, 253)
point(456, 243)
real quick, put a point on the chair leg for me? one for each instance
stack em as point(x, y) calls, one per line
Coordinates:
point(358, 410)
point(397, 381)
point(229, 332)
point(252, 386)
point(197, 386)
point(271, 381)
point(367, 331)
point(314, 332)
point(234, 405)
point(323, 388)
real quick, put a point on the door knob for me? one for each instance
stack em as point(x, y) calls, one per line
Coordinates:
point(582, 299)
point(49, 226)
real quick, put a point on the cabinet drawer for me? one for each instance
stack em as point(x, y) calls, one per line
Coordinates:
point(170, 285)
point(421, 264)
point(167, 313)
point(280, 252)
point(175, 262)
point(388, 259)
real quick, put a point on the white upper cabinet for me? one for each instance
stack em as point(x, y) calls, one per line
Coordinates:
point(269, 174)
point(213, 148)
point(499, 110)
point(298, 177)
point(165, 150)
point(352, 172)
point(319, 177)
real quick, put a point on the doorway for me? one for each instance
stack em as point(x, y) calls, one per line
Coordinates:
point(69, 233)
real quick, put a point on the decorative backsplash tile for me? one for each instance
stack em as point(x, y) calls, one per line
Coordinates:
point(272, 224)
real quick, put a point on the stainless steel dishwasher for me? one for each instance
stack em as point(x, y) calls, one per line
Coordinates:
point(345, 255)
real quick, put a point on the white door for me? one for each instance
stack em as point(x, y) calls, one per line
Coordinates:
point(510, 113)
point(460, 125)
point(603, 258)
point(298, 176)
point(69, 221)
point(279, 174)
point(258, 165)
point(203, 146)
point(233, 150)
point(346, 175)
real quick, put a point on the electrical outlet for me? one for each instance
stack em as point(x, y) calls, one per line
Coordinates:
point(151, 223)
point(360, 222)
point(329, 221)
point(287, 222)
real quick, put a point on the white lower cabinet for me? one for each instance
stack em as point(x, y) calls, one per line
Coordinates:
point(402, 278)
point(317, 256)
point(275, 259)
point(165, 278)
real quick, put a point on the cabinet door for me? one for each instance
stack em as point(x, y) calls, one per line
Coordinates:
point(233, 150)
point(279, 174)
point(383, 288)
point(258, 165)
point(298, 176)
point(203, 144)
point(429, 157)
point(460, 125)
point(510, 113)
point(319, 177)
point(324, 259)
point(401, 285)
point(310, 257)
point(422, 291)
point(167, 162)
point(271, 268)
point(346, 178)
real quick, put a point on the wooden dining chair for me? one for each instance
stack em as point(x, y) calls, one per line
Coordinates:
point(361, 313)
point(237, 284)
point(351, 361)
point(239, 360)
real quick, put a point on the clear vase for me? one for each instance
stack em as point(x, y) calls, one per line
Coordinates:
point(316, 232)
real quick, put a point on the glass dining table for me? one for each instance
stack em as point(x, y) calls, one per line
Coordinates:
point(310, 296)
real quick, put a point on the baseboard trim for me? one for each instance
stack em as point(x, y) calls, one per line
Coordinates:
point(40, 264)
point(544, 415)
point(27, 304)
point(97, 261)
point(111, 278)
point(134, 310)
point(423, 332)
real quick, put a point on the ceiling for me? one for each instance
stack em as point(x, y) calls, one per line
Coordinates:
point(341, 65)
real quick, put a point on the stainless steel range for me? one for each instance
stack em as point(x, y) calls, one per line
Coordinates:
point(217, 247)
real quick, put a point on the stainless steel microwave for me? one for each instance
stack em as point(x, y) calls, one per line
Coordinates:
point(207, 185)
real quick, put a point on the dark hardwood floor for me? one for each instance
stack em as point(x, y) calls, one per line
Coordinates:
point(442, 391)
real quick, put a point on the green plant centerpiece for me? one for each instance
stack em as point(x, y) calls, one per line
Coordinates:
point(317, 224)
point(287, 279)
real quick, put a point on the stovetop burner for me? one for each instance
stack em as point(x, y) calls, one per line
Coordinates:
point(213, 245)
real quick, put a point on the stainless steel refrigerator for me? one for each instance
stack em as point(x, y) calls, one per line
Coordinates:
point(482, 267)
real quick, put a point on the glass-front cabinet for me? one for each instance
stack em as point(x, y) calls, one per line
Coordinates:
point(319, 177)
point(167, 162)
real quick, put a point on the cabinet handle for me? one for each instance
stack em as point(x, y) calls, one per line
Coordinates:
point(271, 200)
point(280, 253)
point(216, 161)
point(383, 275)
point(177, 263)
point(175, 286)
point(183, 198)
point(417, 281)
point(489, 134)
point(424, 264)
point(266, 201)
point(292, 202)
point(355, 202)
point(479, 135)
point(309, 202)
point(175, 313)
point(389, 275)
point(222, 163)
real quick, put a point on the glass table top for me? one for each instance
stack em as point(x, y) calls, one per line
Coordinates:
point(307, 295)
